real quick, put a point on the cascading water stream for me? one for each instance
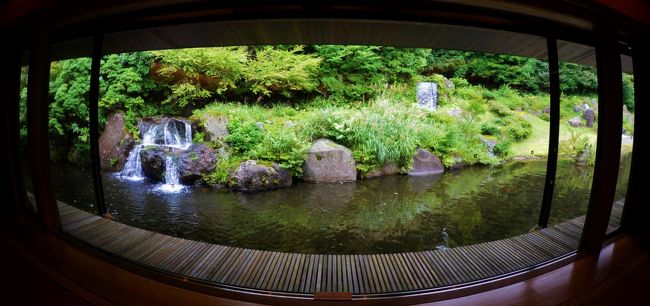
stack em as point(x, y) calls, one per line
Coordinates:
point(133, 166)
point(169, 133)
point(172, 181)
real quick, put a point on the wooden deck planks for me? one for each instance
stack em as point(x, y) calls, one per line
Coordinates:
point(310, 273)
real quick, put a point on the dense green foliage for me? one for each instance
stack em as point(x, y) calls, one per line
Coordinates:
point(525, 74)
point(628, 91)
point(69, 110)
point(354, 73)
point(363, 97)
point(22, 113)
point(125, 86)
point(198, 76)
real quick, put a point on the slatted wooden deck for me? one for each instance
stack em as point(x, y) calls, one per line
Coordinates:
point(306, 274)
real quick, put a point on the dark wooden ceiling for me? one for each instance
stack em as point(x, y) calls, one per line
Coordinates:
point(330, 31)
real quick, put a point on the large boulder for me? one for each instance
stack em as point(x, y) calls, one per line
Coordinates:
point(216, 127)
point(153, 162)
point(198, 159)
point(251, 176)
point(115, 143)
point(328, 161)
point(589, 116)
point(575, 122)
point(425, 163)
point(145, 123)
point(389, 168)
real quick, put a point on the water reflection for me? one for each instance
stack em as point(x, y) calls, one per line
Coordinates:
point(391, 214)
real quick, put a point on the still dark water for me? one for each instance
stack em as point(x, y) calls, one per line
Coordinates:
point(391, 214)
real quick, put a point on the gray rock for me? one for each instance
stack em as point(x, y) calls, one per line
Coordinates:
point(589, 116)
point(421, 184)
point(459, 163)
point(173, 125)
point(490, 144)
point(328, 161)
point(578, 108)
point(389, 168)
point(251, 176)
point(145, 123)
point(449, 84)
point(115, 143)
point(216, 127)
point(625, 111)
point(594, 104)
point(260, 125)
point(547, 110)
point(575, 122)
point(427, 95)
point(425, 163)
point(153, 162)
point(197, 160)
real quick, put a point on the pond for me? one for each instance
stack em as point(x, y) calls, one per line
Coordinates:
point(383, 215)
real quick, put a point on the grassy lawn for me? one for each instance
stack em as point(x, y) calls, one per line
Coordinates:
point(537, 142)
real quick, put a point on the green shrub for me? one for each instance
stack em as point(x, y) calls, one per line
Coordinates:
point(499, 109)
point(459, 82)
point(545, 116)
point(502, 148)
point(282, 147)
point(489, 128)
point(515, 127)
point(198, 137)
point(576, 147)
point(365, 161)
point(243, 136)
point(476, 107)
point(510, 98)
point(222, 170)
point(469, 93)
point(628, 91)
point(628, 126)
point(489, 95)
point(383, 131)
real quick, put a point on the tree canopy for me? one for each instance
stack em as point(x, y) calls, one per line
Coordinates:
point(174, 82)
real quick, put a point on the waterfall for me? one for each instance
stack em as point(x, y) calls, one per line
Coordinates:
point(133, 166)
point(170, 133)
point(172, 136)
point(172, 181)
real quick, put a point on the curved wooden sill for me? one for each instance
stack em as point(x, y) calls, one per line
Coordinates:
point(318, 275)
point(76, 274)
